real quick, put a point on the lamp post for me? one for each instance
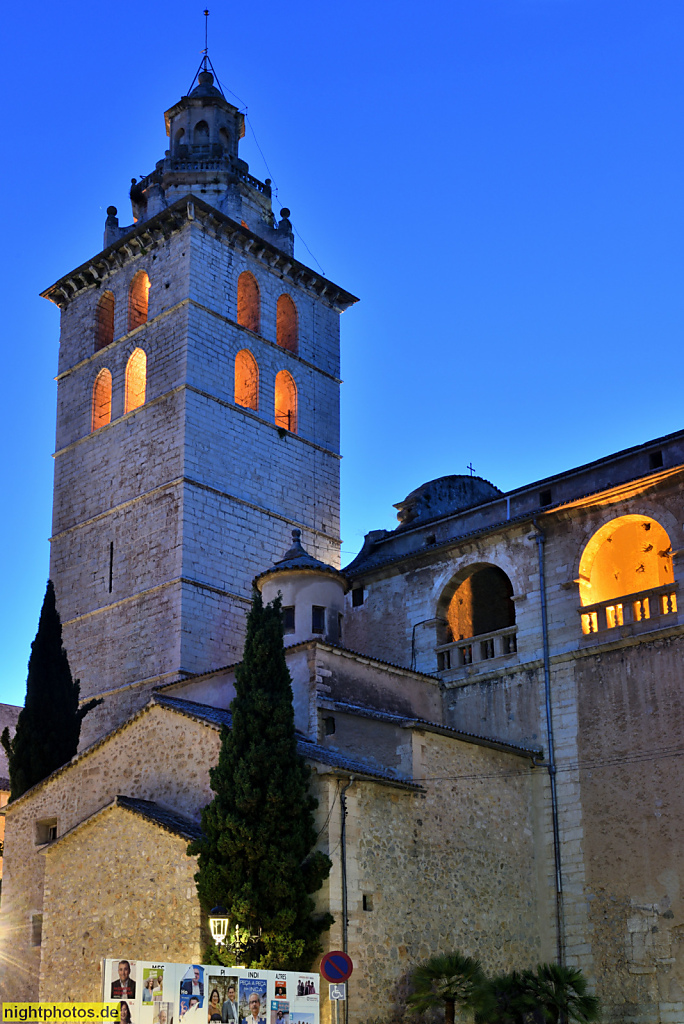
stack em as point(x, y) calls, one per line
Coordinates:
point(218, 923)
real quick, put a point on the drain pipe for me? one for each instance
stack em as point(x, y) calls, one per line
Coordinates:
point(343, 860)
point(560, 929)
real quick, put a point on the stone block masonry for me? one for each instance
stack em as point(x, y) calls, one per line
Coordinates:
point(163, 516)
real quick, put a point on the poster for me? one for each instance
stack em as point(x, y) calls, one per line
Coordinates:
point(150, 992)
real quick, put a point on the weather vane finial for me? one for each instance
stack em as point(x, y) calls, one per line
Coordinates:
point(206, 34)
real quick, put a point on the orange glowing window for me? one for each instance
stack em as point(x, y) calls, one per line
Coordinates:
point(138, 295)
point(246, 380)
point(102, 400)
point(480, 603)
point(248, 314)
point(287, 332)
point(285, 402)
point(136, 380)
point(104, 321)
point(628, 555)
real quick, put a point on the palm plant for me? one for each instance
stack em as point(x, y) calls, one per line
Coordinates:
point(559, 995)
point(509, 1003)
point(448, 980)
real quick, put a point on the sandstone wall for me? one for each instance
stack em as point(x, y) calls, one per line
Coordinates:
point(118, 886)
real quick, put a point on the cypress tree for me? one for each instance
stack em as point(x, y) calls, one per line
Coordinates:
point(256, 858)
point(49, 724)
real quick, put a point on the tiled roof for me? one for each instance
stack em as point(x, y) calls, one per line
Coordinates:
point(168, 820)
point(408, 720)
point(311, 751)
point(217, 716)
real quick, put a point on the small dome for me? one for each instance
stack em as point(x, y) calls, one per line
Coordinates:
point(206, 86)
point(444, 496)
point(296, 557)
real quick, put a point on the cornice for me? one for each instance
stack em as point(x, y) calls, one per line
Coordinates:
point(158, 229)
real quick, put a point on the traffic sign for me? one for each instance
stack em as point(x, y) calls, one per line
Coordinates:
point(336, 966)
point(338, 991)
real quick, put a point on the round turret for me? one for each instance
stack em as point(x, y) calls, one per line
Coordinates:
point(312, 595)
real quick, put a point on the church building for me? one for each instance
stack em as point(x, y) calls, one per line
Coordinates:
point(489, 695)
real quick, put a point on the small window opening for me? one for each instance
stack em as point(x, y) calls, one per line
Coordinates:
point(104, 321)
point(430, 539)
point(655, 460)
point(46, 831)
point(36, 929)
point(246, 380)
point(357, 597)
point(111, 565)
point(286, 324)
point(101, 412)
point(285, 402)
point(367, 901)
point(340, 620)
point(248, 314)
point(138, 300)
point(289, 619)
point(317, 619)
point(136, 380)
point(329, 724)
point(545, 498)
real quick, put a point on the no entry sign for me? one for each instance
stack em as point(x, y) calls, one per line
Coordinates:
point(336, 966)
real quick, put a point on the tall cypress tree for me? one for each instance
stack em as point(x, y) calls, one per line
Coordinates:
point(49, 724)
point(257, 857)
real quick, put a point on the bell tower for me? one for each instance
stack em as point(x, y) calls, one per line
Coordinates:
point(197, 414)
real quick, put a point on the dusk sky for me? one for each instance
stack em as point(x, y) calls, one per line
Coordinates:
point(499, 181)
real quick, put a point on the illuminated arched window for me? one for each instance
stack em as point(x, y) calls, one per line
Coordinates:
point(104, 321)
point(201, 133)
point(137, 300)
point(102, 400)
point(285, 401)
point(136, 380)
point(481, 603)
point(246, 380)
point(248, 314)
point(476, 618)
point(287, 330)
point(631, 558)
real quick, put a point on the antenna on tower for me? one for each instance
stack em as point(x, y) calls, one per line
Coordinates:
point(205, 63)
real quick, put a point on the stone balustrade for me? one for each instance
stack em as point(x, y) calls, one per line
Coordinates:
point(498, 644)
point(646, 609)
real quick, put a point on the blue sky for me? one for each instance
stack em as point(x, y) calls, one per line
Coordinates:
point(499, 181)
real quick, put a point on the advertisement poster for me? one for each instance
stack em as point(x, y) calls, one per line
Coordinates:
point(149, 992)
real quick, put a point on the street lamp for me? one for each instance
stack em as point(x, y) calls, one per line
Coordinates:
point(218, 922)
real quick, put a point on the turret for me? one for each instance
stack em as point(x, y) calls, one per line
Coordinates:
point(204, 132)
point(312, 594)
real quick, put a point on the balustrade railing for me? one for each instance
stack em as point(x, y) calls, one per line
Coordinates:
point(654, 604)
point(498, 644)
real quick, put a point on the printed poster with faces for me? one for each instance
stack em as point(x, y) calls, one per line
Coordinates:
point(152, 992)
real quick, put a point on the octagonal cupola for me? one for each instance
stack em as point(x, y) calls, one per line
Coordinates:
point(312, 594)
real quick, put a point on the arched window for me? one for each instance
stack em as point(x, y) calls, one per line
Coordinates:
point(225, 139)
point(180, 137)
point(287, 330)
point(104, 321)
point(630, 557)
point(102, 400)
point(201, 133)
point(476, 618)
point(136, 380)
point(137, 300)
point(248, 314)
point(285, 402)
point(246, 380)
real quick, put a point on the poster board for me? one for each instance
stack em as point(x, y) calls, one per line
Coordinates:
point(155, 992)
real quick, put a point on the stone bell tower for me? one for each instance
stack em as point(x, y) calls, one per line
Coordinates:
point(197, 415)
